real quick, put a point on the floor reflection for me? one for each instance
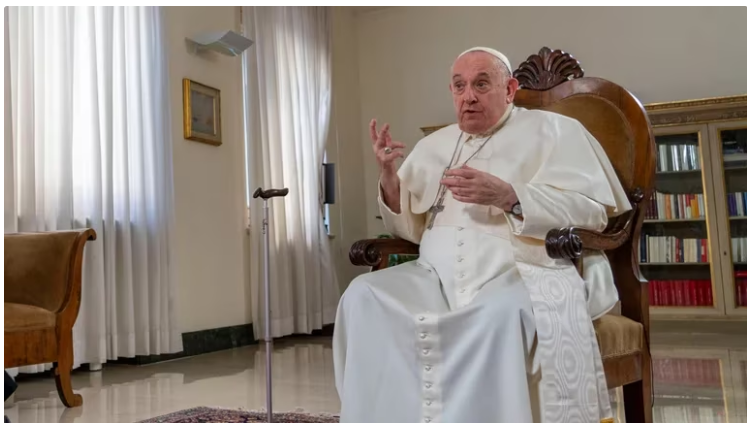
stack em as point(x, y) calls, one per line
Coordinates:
point(302, 374)
point(692, 385)
point(697, 385)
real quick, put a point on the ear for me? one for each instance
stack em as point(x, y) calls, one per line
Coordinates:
point(511, 87)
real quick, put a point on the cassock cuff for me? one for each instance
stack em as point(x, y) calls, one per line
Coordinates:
point(522, 226)
point(403, 224)
point(383, 208)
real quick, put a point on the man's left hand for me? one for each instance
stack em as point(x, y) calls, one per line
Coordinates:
point(470, 185)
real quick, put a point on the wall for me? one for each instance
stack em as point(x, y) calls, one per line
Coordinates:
point(211, 253)
point(348, 215)
point(212, 248)
point(659, 54)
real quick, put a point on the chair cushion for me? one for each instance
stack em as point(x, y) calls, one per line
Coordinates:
point(618, 336)
point(22, 317)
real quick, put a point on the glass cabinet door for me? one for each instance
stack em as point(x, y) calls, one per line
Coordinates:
point(731, 138)
point(675, 247)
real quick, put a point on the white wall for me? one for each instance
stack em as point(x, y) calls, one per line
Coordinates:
point(209, 182)
point(660, 54)
point(212, 248)
point(348, 215)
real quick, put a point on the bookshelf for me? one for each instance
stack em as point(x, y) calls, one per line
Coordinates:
point(693, 244)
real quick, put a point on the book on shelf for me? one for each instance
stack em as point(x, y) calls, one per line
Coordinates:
point(669, 249)
point(677, 157)
point(680, 293)
point(739, 250)
point(740, 288)
point(675, 206)
point(734, 155)
point(737, 202)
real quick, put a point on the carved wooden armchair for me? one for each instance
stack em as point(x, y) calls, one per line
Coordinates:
point(554, 81)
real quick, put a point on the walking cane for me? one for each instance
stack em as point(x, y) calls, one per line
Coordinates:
point(266, 195)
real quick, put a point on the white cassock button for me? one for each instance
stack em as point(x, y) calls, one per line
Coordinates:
point(428, 386)
point(428, 369)
point(426, 351)
point(460, 228)
point(462, 291)
point(460, 243)
point(423, 335)
point(421, 318)
point(460, 259)
point(427, 420)
point(429, 402)
point(461, 275)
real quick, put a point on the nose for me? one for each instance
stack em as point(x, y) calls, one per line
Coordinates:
point(469, 96)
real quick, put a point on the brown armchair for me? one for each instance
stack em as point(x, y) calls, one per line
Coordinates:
point(554, 81)
point(42, 299)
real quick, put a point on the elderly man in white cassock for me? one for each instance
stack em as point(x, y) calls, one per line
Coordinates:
point(484, 327)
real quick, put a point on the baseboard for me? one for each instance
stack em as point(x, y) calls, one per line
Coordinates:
point(212, 340)
point(200, 342)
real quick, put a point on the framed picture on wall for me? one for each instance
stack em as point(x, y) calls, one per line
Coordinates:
point(202, 121)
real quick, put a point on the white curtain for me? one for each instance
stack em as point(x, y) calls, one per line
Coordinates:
point(287, 78)
point(90, 146)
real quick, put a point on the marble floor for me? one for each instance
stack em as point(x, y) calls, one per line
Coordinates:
point(699, 379)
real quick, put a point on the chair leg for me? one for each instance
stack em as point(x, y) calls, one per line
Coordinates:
point(638, 396)
point(62, 370)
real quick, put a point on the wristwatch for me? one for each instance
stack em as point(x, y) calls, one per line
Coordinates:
point(516, 209)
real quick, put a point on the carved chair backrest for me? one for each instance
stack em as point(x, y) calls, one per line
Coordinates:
point(554, 81)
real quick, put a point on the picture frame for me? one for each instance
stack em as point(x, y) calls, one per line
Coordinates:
point(202, 114)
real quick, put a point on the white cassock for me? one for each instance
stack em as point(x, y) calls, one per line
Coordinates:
point(485, 326)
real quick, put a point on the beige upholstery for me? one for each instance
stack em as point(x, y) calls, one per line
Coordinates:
point(618, 336)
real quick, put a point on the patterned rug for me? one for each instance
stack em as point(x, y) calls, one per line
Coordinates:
point(213, 415)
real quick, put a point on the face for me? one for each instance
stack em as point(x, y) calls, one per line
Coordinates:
point(481, 91)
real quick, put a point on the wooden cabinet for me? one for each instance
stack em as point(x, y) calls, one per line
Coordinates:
point(693, 246)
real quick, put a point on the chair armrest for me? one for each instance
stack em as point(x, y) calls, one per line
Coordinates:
point(569, 243)
point(371, 252)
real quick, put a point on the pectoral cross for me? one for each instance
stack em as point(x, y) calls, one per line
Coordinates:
point(435, 210)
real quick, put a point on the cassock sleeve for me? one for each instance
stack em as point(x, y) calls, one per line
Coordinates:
point(575, 186)
point(406, 224)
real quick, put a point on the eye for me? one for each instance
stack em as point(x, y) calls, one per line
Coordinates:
point(482, 84)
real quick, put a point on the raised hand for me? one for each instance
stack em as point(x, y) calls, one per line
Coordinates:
point(386, 150)
point(470, 185)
